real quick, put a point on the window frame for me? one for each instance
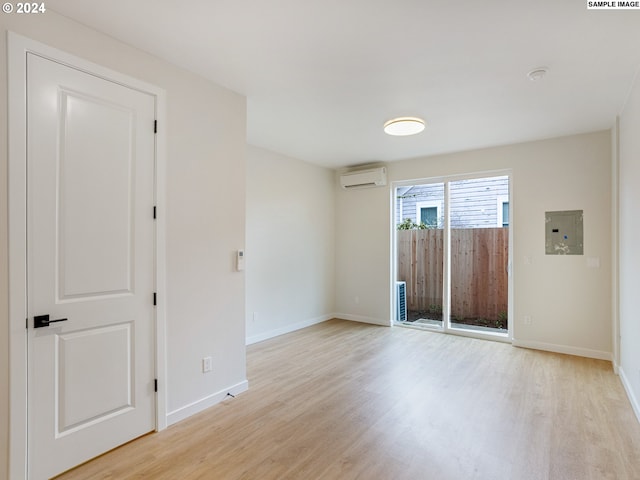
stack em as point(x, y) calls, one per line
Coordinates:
point(432, 204)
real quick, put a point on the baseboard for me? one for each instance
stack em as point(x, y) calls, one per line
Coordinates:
point(552, 347)
point(362, 319)
point(287, 329)
point(204, 403)
point(630, 394)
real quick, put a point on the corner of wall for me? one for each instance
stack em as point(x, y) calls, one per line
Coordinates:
point(635, 404)
point(290, 244)
point(615, 233)
point(628, 260)
point(4, 261)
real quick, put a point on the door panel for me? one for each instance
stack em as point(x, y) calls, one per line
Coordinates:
point(95, 250)
point(107, 388)
point(90, 236)
point(420, 247)
point(479, 255)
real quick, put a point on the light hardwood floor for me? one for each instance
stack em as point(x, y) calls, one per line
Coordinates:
point(343, 400)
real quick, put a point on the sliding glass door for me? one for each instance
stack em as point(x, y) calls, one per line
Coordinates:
point(452, 254)
point(420, 247)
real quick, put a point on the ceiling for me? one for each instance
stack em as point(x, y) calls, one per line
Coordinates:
point(322, 76)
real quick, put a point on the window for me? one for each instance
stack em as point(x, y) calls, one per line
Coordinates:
point(428, 213)
point(429, 216)
point(503, 211)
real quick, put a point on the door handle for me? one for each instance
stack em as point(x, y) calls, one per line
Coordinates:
point(40, 321)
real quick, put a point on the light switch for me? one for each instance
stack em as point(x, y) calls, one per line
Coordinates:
point(240, 260)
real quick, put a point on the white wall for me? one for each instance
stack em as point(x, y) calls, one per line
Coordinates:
point(363, 245)
point(290, 244)
point(4, 272)
point(205, 134)
point(569, 303)
point(629, 233)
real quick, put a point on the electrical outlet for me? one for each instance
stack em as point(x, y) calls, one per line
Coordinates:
point(527, 320)
point(255, 317)
point(207, 364)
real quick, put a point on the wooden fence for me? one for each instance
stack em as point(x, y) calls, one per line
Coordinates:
point(479, 259)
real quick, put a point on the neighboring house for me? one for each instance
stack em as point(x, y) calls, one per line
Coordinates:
point(475, 203)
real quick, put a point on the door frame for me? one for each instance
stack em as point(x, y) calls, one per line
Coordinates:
point(18, 47)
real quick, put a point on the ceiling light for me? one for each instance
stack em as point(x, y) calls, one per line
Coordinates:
point(537, 74)
point(404, 126)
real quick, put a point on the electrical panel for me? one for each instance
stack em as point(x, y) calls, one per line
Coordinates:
point(564, 233)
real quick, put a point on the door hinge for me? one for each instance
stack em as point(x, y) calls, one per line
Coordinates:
point(154, 212)
point(26, 323)
point(155, 384)
point(155, 126)
point(154, 299)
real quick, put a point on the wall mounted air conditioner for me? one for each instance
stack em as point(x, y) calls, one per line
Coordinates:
point(401, 301)
point(373, 177)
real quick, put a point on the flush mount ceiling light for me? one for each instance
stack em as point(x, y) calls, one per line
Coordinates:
point(537, 74)
point(404, 126)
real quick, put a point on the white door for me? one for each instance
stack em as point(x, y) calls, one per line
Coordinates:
point(90, 261)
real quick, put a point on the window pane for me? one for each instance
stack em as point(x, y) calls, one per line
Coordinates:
point(429, 216)
point(420, 253)
point(479, 254)
point(505, 214)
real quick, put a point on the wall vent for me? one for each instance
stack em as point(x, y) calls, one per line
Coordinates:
point(401, 301)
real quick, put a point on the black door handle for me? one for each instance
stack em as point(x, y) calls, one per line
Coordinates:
point(40, 321)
